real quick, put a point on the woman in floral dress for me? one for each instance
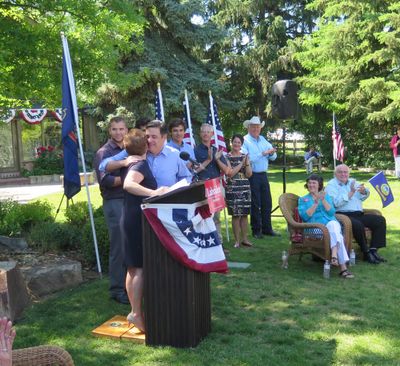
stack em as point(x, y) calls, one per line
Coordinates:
point(238, 194)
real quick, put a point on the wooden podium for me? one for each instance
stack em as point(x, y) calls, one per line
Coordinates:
point(176, 298)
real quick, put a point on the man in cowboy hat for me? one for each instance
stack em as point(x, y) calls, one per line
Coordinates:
point(260, 153)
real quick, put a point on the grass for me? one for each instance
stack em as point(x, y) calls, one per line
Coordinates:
point(262, 315)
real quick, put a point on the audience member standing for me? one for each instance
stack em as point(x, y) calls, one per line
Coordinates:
point(176, 130)
point(394, 144)
point(260, 152)
point(238, 193)
point(212, 163)
point(112, 193)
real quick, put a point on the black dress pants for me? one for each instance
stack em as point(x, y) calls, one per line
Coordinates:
point(377, 225)
point(261, 204)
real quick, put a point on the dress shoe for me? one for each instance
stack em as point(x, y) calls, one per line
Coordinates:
point(121, 298)
point(377, 256)
point(271, 233)
point(257, 235)
point(370, 258)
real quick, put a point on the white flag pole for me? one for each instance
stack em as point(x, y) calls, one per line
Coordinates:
point(334, 141)
point(161, 101)
point(217, 146)
point(75, 111)
point(189, 119)
point(213, 120)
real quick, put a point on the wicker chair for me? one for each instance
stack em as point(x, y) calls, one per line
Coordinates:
point(317, 245)
point(369, 211)
point(41, 356)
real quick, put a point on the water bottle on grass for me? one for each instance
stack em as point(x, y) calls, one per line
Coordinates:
point(352, 258)
point(327, 269)
point(284, 260)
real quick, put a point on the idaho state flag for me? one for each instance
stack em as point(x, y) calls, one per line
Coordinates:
point(72, 183)
point(379, 182)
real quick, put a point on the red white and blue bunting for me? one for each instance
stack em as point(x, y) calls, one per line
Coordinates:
point(32, 116)
point(7, 115)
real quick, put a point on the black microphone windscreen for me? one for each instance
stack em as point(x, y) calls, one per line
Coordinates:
point(184, 155)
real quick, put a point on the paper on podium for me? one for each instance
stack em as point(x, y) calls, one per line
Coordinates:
point(182, 183)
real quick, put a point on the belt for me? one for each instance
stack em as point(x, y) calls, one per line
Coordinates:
point(259, 172)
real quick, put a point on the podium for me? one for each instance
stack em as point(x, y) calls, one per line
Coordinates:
point(176, 298)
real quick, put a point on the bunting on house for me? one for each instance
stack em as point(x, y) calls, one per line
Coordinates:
point(7, 115)
point(31, 116)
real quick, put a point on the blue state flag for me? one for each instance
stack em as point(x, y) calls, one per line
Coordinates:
point(379, 182)
point(72, 183)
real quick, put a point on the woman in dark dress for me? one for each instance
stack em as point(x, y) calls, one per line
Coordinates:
point(238, 194)
point(138, 183)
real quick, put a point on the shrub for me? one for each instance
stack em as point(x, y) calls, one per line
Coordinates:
point(54, 236)
point(77, 214)
point(16, 218)
point(35, 213)
point(11, 220)
point(49, 160)
point(87, 246)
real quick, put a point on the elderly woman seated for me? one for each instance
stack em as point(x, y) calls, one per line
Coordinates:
point(317, 207)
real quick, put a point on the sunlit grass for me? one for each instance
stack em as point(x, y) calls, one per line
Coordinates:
point(262, 315)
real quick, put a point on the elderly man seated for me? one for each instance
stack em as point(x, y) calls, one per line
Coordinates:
point(348, 195)
point(312, 157)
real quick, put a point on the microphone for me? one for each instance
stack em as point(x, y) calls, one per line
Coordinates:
point(185, 156)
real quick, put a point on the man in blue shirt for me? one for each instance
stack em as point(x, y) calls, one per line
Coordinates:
point(176, 130)
point(348, 196)
point(164, 161)
point(260, 152)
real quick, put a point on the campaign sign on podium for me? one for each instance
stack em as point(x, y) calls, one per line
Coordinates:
point(215, 197)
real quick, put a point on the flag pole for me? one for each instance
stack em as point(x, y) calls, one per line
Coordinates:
point(75, 111)
point(189, 119)
point(334, 143)
point(213, 120)
point(161, 101)
point(217, 146)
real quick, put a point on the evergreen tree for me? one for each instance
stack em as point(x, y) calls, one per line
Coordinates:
point(352, 63)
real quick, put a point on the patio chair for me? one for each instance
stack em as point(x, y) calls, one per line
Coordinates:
point(41, 356)
point(369, 211)
point(310, 238)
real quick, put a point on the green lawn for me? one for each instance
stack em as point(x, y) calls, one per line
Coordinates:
point(263, 315)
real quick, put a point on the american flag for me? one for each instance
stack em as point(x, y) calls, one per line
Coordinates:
point(158, 104)
point(338, 146)
point(220, 135)
point(188, 136)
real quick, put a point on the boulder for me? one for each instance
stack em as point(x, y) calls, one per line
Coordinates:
point(14, 296)
point(46, 278)
point(13, 243)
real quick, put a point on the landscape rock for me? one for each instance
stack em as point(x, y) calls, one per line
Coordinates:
point(13, 243)
point(14, 296)
point(58, 274)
